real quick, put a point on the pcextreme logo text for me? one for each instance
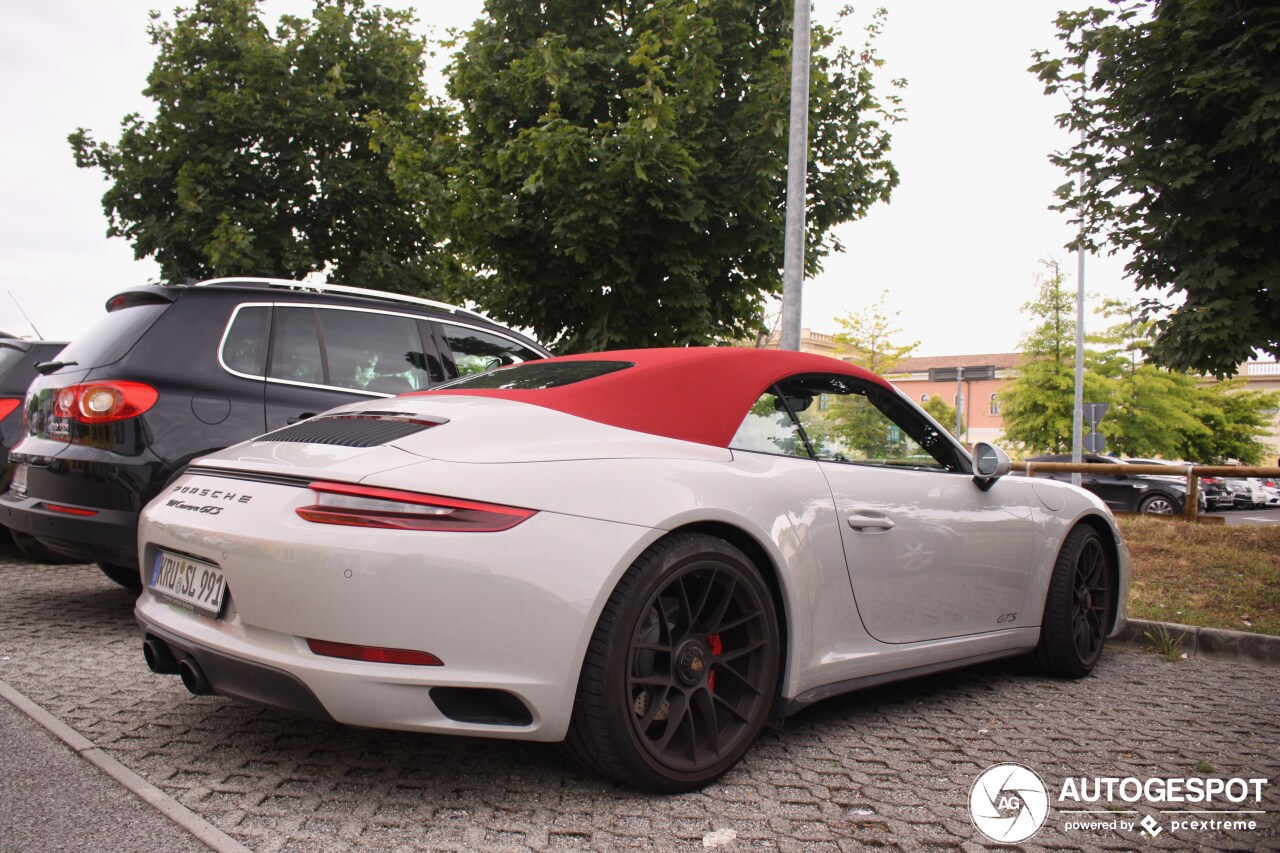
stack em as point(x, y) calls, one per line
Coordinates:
point(1010, 803)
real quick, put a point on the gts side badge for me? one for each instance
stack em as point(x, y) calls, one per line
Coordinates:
point(1006, 618)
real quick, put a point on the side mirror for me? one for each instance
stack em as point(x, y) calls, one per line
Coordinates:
point(990, 463)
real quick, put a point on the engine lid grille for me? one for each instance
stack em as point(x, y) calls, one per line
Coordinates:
point(355, 429)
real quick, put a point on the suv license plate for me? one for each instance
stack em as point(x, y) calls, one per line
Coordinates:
point(18, 485)
point(190, 583)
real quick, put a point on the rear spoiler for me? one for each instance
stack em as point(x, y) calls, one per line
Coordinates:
point(143, 294)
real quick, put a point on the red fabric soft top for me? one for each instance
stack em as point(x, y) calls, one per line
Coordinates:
point(698, 394)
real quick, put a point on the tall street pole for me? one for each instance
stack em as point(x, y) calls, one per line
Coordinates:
point(797, 164)
point(1077, 416)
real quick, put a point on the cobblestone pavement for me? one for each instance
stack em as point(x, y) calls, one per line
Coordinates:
point(888, 768)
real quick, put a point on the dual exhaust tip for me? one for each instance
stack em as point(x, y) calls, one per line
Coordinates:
point(162, 660)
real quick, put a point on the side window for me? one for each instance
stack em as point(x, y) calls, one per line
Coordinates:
point(769, 428)
point(475, 351)
point(244, 347)
point(373, 352)
point(295, 352)
point(866, 424)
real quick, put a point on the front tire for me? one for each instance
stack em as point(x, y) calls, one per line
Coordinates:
point(1077, 610)
point(682, 669)
point(1156, 505)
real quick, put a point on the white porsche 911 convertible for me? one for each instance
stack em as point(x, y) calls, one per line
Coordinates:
point(648, 555)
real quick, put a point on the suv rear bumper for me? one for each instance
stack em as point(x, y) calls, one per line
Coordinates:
point(108, 536)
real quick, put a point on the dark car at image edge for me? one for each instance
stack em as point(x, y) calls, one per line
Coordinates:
point(175, 372)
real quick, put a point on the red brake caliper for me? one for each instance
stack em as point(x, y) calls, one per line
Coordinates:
point(713, 643)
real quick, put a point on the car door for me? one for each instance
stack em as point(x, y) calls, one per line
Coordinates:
point(930, 555)
point(1120, 491)
point(325, 356)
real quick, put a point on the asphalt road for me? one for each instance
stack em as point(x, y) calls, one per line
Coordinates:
point(1250, 516)
point(890, 768)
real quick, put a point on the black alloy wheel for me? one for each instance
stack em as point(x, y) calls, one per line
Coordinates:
point(682, 669)
point(1077, 610)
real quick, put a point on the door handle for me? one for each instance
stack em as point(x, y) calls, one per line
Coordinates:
point(870, 522)
point(302, 417)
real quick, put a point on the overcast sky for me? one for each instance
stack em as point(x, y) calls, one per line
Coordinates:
point(958, 247)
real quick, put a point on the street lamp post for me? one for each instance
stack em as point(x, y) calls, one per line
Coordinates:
point(797, 164)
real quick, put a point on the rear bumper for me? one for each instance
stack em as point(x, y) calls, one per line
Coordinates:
point(246, 680)
point(108, 536)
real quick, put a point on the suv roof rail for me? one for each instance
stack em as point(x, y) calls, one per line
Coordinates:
point(320, 287)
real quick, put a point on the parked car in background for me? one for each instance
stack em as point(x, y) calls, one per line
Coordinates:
point(1142, 493)
point(1247, 492)
point(1215, 496)
point(646, 555)
point(18, 359)
point(173, 373)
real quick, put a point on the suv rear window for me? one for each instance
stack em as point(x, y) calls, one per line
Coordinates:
point(113, 336)
point(540, 374)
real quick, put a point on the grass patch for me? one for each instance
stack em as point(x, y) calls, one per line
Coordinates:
point(1213, 576)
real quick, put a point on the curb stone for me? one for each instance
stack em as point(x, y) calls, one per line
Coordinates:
point(1240, 646)
point(208, 834)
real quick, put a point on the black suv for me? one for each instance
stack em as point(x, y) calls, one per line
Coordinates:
point(175, 372)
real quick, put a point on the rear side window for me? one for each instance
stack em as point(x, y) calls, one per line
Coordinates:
point(113, 336)
point(296, 354)
point(244, 348)
point(373, 352)
point(479, 352)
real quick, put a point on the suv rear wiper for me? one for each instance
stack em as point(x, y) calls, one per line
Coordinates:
point(44, 368)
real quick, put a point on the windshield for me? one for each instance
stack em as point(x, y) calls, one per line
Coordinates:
point(536, 375)
point(113, 336)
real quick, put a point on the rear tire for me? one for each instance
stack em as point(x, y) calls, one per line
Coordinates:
point(682, 668)
point(127, 576)
point(34, 551)
point(1077, 609)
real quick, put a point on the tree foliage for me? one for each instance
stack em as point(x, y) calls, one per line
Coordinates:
point(1153, 411)
point(866, 338)
point(260, 159)
point(943, 412)
point(1039, 402)
point(1179, 102)
point(621, 179)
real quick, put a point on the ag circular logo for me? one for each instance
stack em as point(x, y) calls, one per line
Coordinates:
point(1008, 803)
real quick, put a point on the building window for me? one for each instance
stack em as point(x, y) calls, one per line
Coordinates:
point(995, 404)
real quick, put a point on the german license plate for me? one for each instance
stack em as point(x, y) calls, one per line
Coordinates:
point(18, 485)
point(192, 584)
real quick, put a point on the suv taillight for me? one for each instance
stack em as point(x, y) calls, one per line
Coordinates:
point(7, 405)
point(104, 402)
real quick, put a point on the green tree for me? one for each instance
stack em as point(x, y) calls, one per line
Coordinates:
point(1233, 420)
point(621, 180)
point(1152, 409)
point(866, 338)
point(942, 412)
point(260, 159)
point(1179, 101)
point(1038, 404)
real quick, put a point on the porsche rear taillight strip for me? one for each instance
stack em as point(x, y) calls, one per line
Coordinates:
point(392, 509)
point(372, 654)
